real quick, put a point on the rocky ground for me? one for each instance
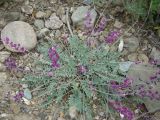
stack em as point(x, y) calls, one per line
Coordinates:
point(46, 20)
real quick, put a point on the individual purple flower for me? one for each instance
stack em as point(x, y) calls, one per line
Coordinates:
point(55, 64)
point(50, 74)
point(142, 93)
point(152, 61)
point(18, 96)
point(140, 106)
point(153, 78)
point(126, 82)
point(10, 63)
point(22, 49)
point(114, 85)
point(54, 57)
point(6, 40)
point(81, 69)
point(102, 24)
point(112, 37)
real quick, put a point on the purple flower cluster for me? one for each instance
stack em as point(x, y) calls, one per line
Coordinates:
point(154, 61)
point(16, 47)
point(18, 96)
point(151, 94)
point(155, 78)
point(128, 114)
point(125, 84)
point(81, 69)
point(102, 24)
point(112, 37)
point(10, 63)
point(125, 111)
point(54, 57)
point(88, 23)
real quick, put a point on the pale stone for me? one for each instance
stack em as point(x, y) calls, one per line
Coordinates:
point(131, 43)
point(27, 9)
point(19, 32)
point(133, 57)
point(39, 24)
point(40, 14)
point(53, 22)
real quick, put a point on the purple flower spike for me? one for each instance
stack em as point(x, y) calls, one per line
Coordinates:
point(18, 96)
point(112, 37)
point(102, 24)
point(10, 63)
point(54, 57)
point(55, 64)
point(125, 111)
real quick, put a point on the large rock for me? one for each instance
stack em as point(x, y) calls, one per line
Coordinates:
point(53, 22)
point(19, 32)
point(141, 74)
point(80, 13)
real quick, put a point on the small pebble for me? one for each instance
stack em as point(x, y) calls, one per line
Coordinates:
point(40, 14)
point(27, 9)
